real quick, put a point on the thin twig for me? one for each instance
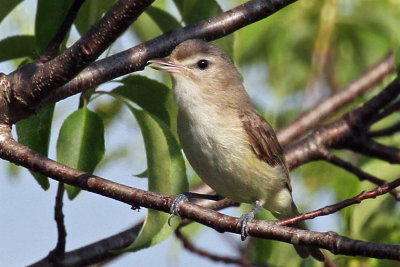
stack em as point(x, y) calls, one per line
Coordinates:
point(104, 250)
point(349, 132)
point(395, 128)
point(99, 251)
point(388, 111)
point(217, 258)
point(62, 32)
point(356, 171)
point(58, 252)
point(371, 148)
point(332, 104)
point(343, 204)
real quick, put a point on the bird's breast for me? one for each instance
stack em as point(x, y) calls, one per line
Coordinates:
point(216, 145)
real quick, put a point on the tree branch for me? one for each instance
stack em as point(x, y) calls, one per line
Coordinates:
point(374, 149)
point(343, 204)
point(62, 32)
point(388, 111)
point(96, 252)
point(192, 248)
point(385, 131)
point(349, 132)
point(332, 104)
point(358, 172)
point(21, 155)
point(104, 250)
point(135, 58)
point(31, 82)
point(59, 251)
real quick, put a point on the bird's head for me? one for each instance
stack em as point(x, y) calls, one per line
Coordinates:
point(199, 62)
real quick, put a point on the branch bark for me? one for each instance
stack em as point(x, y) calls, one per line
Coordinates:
point(332, 104)
point(19, 154)
point(135, 58)
point(343, 204)
point(31, 82)
point(349, 132)
point(62, 32)
point(96, 252)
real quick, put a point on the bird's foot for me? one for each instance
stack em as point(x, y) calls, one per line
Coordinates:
point(187, 196)
point(246, 218)
point(174, 210)
point(243, 224)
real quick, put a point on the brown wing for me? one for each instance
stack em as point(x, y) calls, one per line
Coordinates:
point(263, 140)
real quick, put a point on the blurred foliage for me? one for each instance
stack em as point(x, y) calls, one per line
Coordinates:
point(305, 51)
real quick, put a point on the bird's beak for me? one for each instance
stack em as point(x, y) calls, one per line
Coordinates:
point(164, 65)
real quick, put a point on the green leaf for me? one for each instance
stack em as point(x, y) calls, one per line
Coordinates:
point(17, 46)
point(196, 10)
point(7, 6)
point(179, 5)
point(166, 172)
point(145, 28)
point(49, 17)
point(152, 96)
point(163, 19)
point(90, 12)
point(80, 143)
point(165, 165)
point(34, 132)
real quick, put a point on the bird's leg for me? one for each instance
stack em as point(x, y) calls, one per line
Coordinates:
point(187, 196)
point(246, 218)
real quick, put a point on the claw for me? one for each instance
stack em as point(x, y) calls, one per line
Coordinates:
point(246, 218)
point(174, 211)
point(243, 224)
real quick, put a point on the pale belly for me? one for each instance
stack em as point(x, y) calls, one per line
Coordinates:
point(218, 151)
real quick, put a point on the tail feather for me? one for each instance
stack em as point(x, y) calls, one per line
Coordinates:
point(303, 251)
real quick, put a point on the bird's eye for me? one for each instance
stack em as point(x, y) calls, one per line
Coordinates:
point(202, 64)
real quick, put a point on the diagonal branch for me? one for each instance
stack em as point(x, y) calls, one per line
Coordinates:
point(104, 249)
point(192, 248)
point(374, 149)
point(356, 171)
point(62, 32)
point(346, 133)
point(31, 82)
point(332, 104)
point(395, 128)
point(135, 58)
point(388, 111)
point(343, 204)
point(96, 252)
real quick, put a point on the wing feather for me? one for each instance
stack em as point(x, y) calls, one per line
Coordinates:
point(263, 140)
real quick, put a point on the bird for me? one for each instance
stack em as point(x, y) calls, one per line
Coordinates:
point(228, 143)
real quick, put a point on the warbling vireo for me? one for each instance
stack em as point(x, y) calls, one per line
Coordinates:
point(228, 143)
